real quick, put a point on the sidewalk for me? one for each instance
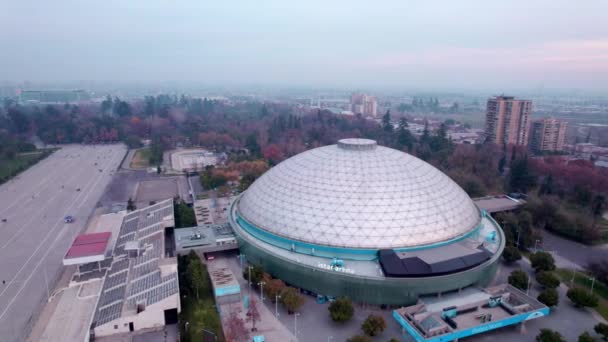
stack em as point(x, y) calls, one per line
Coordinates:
point(269, 326)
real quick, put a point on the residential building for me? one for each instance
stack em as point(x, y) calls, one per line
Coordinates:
point(508, 120)
point(548, 134)
point(364, 104)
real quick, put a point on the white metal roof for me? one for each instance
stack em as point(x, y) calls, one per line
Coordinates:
point(359, 195)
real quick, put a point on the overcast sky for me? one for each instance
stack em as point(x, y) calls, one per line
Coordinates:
point(450, 44)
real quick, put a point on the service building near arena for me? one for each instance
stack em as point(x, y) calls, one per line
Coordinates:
point(368, 222)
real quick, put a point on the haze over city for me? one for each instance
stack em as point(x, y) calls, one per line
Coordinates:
point(391, 44)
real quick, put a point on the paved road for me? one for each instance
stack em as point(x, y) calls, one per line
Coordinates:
point(34, 239)
point(576, 252)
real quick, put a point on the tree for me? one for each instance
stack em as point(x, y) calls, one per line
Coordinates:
point(341, 310)
point(542, 261)
point(359, 338)
point(256, 272)
point(253, 313)
point(548, 335)
point(197, 277)
point(373, 325)
point(404, 136)
point(273, 287)
point(131, 205)
point(511, 254)
point(158, 170)
point(585, 337)
point(291, 299)
point(549, 297)
point(236, 330)
point(602, 329)
point(387, 126)
point(582, 298)
point(519, 279)
point(547, 279)
point(521, 177)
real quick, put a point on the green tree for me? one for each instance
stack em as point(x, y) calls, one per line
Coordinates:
point(404, 136)
point(373, 325)
point(549, 297)
point(602, 329)
point(542, 261)
point(387, 126)
point(131, 205)
point(548, 335)
point(521, 177)
point(291, 299)
point(582, 298)
point(519, 279)
point(341, 310)
point(547, 279)
point(586, 337)
point(359, 338)
point(198, 278)
point(511, 254)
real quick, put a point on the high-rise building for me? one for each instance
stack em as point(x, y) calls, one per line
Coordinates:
point(548, 134)
point(508, 120)
point(364, 104)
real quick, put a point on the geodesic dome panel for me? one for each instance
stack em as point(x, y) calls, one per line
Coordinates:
point(356, 194)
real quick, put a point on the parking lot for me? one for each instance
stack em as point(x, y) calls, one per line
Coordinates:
point(35, 236)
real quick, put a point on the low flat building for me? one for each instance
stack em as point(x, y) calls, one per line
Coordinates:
point(467, 313)
point(496, 204)
point(226, 288)
point(205, 238)
point(140, 290)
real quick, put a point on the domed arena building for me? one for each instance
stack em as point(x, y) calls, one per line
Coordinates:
point(368, 222)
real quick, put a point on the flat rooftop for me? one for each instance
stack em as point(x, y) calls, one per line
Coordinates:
point(87, 248)
point(468, 312)
point(136, 276)
point(495, 204)
point(202, 236)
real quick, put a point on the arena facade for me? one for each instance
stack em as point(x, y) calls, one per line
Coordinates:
point(365, 221)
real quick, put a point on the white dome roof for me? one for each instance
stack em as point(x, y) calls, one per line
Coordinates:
point(359, 195)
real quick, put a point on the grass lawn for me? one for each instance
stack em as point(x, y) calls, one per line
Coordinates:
point(582, 280)
point(141, 158)
point(11, 167)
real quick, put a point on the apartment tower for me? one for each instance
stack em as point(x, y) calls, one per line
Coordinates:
point(548, 134)
point(508, 120)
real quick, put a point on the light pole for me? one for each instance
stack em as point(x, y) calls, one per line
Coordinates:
point(573, 275)
point(517, 243)
point(295, 324)
point(592, 283)
point(262, 283)
point(528, 288)
point(276, 305)
point(535, 244)
point(249, 268)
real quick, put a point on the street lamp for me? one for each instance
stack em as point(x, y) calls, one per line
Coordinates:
point(261, 284)
point(276, 305)
point(249, 268)
point(592, 283)
point(295, 324)
point(535, 244)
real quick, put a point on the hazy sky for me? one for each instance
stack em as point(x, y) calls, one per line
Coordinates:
point(424, 43)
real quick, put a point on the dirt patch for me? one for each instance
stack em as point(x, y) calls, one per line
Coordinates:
point(141, 159)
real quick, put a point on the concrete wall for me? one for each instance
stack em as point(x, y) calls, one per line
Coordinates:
point(152, 317)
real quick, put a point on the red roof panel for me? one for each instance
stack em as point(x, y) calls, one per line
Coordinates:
point(88, 245)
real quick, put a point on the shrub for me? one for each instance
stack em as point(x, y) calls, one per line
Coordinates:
point(582, 298)
point(585, 337)
point(602, 329)
point(519, 279)
point(549, 297)
point(547, 279)
point(511, 254)
point(542, 261)
point(548, 335)
point(373, 325)
point(341, 310)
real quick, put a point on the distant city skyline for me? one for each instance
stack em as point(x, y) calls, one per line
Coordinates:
point(469, 44)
